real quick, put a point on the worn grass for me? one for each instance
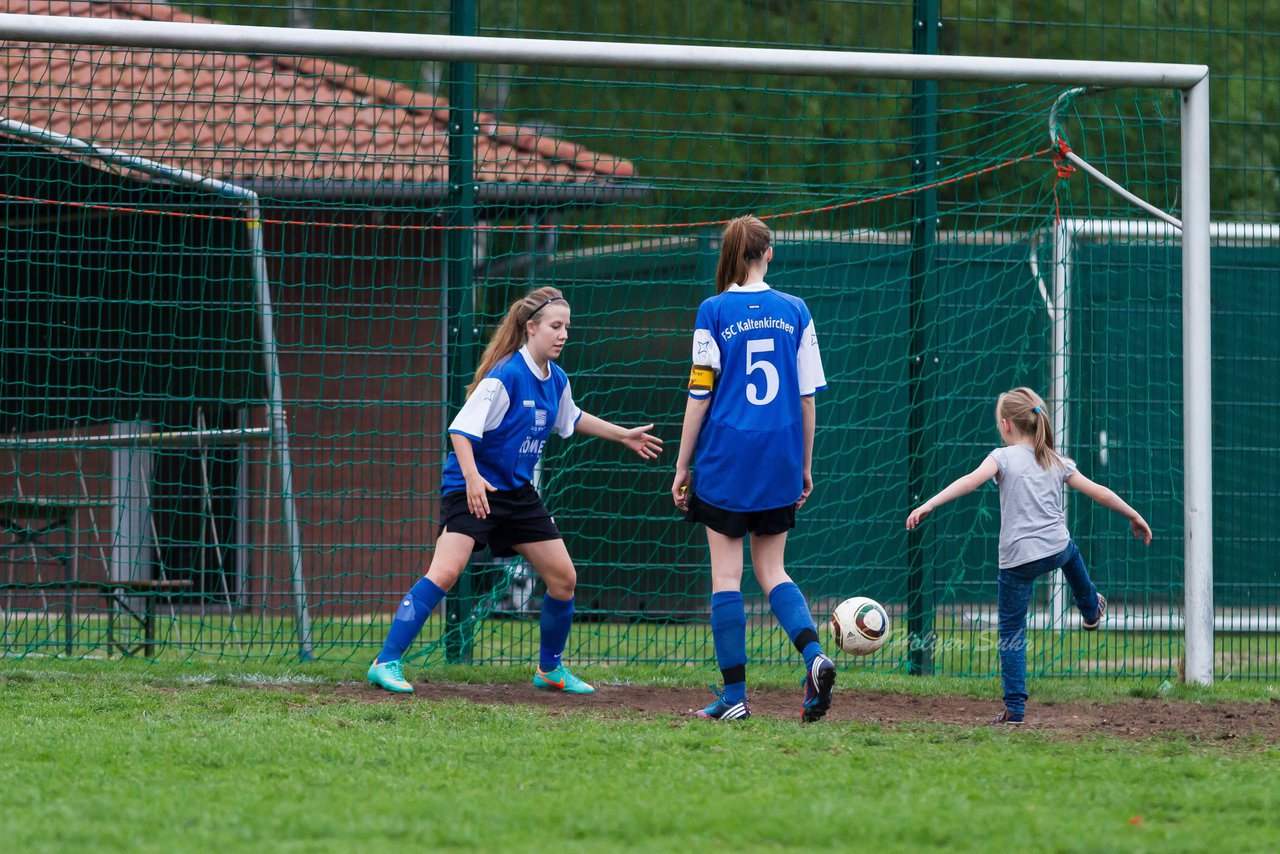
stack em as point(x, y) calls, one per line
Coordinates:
point(960, 649)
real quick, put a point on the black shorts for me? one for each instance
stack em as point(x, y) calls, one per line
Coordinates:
point(516, 517)
point(736, 524)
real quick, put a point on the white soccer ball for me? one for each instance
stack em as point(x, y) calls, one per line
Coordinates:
point(859, 625)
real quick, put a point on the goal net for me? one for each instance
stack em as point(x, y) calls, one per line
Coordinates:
point(242, 292)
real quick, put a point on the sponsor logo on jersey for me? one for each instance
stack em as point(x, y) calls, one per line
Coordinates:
point(532, 446)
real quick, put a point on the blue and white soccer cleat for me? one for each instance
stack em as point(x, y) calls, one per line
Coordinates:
point(561, 679)
point(819, 679)
point(389, 676)
point(719, 710)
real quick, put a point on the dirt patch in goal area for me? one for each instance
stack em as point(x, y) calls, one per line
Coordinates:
point(1135, 718)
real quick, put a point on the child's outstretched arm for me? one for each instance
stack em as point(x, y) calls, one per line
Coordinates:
point(1110, 500)
point(639, 439)
point(959, 486)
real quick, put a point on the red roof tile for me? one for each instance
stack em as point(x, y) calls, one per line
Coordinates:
point(260, 118)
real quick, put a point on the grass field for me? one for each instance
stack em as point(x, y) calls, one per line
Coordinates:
point(262, 756)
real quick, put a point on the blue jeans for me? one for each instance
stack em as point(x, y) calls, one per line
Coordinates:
point(1013, 600)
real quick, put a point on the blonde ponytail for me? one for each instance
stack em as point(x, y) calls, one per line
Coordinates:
point(1029, 415)
point(510, 334)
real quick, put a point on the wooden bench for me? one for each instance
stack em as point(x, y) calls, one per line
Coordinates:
point(29, 524)
point(118, 594)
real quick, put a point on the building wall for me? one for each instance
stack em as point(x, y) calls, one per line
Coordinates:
point(358, 307)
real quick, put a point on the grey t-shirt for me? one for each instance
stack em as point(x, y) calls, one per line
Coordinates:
point(1032, 522)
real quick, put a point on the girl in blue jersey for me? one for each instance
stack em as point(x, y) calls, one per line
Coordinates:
point(518, 398)
point(749, 424)
point(1034, 539)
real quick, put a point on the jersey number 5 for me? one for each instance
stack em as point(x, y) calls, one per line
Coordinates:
point(761, 345)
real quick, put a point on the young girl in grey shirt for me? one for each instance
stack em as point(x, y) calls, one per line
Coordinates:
point(1033, 531)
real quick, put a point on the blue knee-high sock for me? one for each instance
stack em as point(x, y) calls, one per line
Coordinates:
point(414, 609)
point(729, 631)
point(792, 612)
point(555, 620)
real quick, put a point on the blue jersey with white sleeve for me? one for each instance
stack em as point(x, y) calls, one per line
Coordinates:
point(763, 349)
point(508, 418)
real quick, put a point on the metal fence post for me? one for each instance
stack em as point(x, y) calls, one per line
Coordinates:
point(924, 230)
point(459, 278)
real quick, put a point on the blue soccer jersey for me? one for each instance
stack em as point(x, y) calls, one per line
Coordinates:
point(763, 349)
point(508, 419)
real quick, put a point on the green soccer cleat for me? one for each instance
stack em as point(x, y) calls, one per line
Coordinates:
point(389, 676)
point(561, 679)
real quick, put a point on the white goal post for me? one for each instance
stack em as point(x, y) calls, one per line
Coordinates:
point(1191, 80)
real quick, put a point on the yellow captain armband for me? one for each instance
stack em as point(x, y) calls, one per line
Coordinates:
point(701, 378)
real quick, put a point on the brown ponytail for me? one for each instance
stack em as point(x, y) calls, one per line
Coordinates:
point(1030, 416)
point(510, 334)
point(745, 239)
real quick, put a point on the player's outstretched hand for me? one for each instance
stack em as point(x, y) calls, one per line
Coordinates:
point(1141, 529)
point(680, 488)
point(644, 443)
point(478, 490)
point(917, 515)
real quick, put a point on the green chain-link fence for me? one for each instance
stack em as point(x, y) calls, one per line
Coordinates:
point(134, 306)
